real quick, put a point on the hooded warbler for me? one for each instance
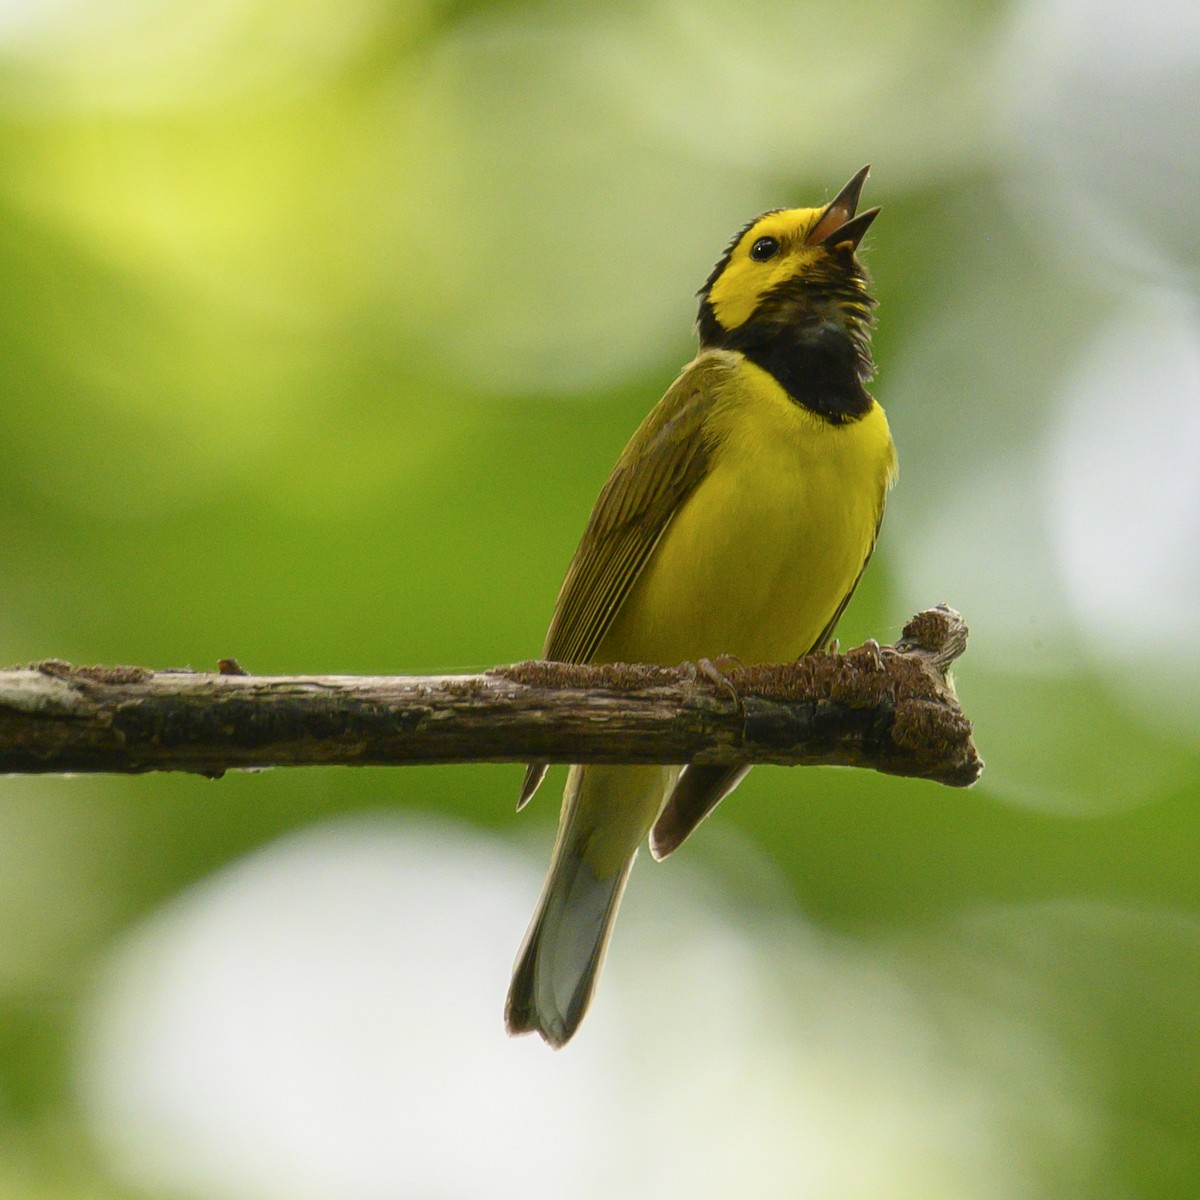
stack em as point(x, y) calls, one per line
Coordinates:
point(737, 521)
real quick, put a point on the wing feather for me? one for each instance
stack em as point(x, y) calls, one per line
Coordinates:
point(662, 465)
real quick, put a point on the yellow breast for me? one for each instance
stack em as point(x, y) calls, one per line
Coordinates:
point(761, 555)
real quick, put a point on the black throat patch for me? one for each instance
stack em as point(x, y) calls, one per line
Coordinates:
point(813, 338)
point(817, 363)
point(818, 368)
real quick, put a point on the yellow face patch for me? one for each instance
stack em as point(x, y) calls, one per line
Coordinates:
point(739, 288)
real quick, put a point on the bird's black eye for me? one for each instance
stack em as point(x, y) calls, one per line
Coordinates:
point(764, 248)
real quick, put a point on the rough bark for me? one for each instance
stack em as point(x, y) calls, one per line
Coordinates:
point(890, 708)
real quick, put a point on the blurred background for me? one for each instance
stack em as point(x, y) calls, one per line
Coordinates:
point(323, 325)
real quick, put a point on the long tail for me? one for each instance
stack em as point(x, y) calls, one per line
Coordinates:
point(607, 813)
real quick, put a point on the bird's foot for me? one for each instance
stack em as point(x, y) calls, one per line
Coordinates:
point(871, 646)
point(714, 670)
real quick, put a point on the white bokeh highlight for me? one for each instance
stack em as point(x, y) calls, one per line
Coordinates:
point(1100, 100)
point(322, 1022)
point(1123, 498)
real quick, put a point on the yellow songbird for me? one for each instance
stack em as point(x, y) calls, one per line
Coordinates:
point(737, 522)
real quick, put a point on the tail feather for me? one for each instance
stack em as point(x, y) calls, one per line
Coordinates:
point(560, 960)
point(607, 813)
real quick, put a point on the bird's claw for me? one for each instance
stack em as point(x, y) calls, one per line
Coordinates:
point(713, 672)
point(871, 646)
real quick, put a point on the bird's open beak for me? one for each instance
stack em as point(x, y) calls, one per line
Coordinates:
point(838, 224)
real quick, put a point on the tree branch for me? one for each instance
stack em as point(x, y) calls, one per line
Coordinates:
point(892, 709)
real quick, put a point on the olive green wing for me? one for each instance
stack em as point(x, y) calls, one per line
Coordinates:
point(660, 467)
